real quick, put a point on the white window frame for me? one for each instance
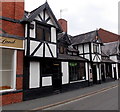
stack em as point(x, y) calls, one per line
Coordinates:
point(14, 73)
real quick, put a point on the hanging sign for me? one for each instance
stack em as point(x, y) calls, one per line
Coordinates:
point(11, 43)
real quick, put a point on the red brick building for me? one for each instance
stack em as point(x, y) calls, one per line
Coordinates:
point(11, 51)
point(108, 36)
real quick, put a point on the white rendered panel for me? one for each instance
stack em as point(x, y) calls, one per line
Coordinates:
point(25, 43)
point(34, 75)
point(47, 52)
point(41, 14)
point(32, 31)
point(47, 81)
point(65, 71)
point(87, 56)
point(46, 15)
point(39, 52)
point(53, 34)
point(33, 45)
point(53, 49)
point(50, 22)
point(87, 70)
point(38, 18)
point(86, 48)
point(26, 30)
point(80, 48)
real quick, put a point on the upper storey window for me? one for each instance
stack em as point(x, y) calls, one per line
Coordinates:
point(96, 48)
point(43, 32)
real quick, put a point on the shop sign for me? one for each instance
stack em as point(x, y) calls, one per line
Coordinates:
point(11, 42)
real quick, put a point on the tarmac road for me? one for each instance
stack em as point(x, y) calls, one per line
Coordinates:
point(103, 100)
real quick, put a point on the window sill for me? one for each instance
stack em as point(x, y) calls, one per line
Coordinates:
point(77, 81)
point(7, 90)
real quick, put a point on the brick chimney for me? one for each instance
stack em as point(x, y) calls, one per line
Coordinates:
point(63, 24)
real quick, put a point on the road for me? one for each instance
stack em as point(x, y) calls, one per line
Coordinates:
point(104, 100)
point(97, 97)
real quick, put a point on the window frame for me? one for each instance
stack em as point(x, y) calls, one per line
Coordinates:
point(13, 83)
point(44, 28)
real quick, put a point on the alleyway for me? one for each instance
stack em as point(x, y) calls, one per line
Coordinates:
point(103, 96)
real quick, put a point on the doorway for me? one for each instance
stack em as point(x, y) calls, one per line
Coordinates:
point(94, 74)
point(57, 76)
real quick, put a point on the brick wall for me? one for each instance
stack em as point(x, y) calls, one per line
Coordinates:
point(107, 36)
point(11, 98)
point(13, 10)
point(63, 24)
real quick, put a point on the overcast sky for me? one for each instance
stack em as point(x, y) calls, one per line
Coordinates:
point(83, 15)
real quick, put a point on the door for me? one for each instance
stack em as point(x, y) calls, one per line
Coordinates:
point(103, 72)
point(57, 76)
point(94, 74)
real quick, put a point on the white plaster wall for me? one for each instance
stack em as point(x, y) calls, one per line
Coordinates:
point(47, 52)
point(114, 58)
point(86, 48)
point(53, 47)
point(47, 81)
point(39, 52)
point(33, 45)
point(26, 30)
point(80, 48)
point(53, 34)
point(65, 71)
point(86, 70)
point(87, 56)
point(37, 18)
point(92, 47)
point(116, 66)
point(46, 15)
point(34, 75)
point(32, 31)
point(25, 45)
point(50, 22)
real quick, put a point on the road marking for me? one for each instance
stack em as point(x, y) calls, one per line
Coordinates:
point(74, 99)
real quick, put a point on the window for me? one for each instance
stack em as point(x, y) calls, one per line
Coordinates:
point(77, 71)
point(7, 69)
point(43, 32)
point(95, 48)
point(61, 50)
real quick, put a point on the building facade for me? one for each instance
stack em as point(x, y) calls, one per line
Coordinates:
point(39, 57)
point(11, 52)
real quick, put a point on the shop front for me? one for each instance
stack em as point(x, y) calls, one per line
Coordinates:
point(10, 71)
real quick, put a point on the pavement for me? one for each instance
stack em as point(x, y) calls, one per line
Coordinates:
point(40, 102)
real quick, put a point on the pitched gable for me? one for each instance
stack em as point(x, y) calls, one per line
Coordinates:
point(43, 14)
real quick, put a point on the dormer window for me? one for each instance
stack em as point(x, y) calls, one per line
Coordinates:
point(43, 32)
point(96, 48)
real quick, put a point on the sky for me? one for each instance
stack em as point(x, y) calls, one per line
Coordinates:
point(83, 15)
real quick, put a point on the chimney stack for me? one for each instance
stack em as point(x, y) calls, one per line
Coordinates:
point(63, 24)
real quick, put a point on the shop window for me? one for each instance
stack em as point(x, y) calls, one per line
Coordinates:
point(77, 71)
point(7, 69)
point(43, 33)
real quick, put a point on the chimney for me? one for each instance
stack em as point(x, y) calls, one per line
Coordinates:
point(63, 24)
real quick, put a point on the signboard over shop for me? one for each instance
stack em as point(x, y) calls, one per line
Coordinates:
point(6, 42)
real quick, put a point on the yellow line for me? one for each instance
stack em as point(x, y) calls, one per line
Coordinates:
point(76, 98)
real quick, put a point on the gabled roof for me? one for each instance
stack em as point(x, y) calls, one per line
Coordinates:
point(86, 38)
point(64, 38)
point(111, 48)
point(31, 16)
